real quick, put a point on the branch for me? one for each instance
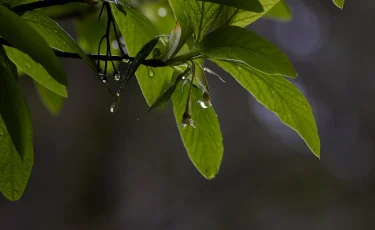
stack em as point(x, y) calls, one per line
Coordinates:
point(41, 4)
point(62, 54)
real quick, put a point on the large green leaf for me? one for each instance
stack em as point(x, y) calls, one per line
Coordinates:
point(54, 35)
point(231, 16)
point(196, 18)
point(279, 96)
point(22, 36)
point(339, 3)
point(248, 5)
point(138, 30)
point(16, 138)
point(280, 11)
point(51, 100)
point(36, 71)
point(241, 45)
point(204, 144)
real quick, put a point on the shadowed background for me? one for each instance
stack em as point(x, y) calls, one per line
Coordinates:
point(95, 170)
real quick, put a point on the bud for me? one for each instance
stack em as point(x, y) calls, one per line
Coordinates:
point(206, 100)
point(186, 120)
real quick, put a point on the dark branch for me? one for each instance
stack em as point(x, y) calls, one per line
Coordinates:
point(58, 53)
point(41, 4)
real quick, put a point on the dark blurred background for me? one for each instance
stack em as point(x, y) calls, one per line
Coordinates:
point(95, 170)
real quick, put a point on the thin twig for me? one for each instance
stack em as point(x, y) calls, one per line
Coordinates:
point(100, 57)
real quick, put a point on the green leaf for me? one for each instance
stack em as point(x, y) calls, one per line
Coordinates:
point(231, 16)
point(196, 18)
point(16, 138)
point(248, 5)
point(22, 36)
point(36, 71)
point(204, 143)
point(280, 11)
point(54, 35)
point(51, 100)
point(339, 3)
point(279, 96)
point(241, 45)
point(138, 30)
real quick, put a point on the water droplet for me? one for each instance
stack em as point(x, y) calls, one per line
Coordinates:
point(114, 107)
point(126, 61)
point(118, 94)
point(151, 72)
point(116, 75)
point(162, 12)
point(203, 104)
point(102, 77)
point(115, 45)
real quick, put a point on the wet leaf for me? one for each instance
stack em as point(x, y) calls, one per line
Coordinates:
point(16, 137)
point(241, 45)
point(36, 71)
point(54, 35)
point(24, 37)
point(279, 96)
point(51, 100)
point(204, 143)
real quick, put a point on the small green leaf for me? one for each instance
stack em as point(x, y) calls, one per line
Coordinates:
point(164, 98)
point(16, 137)
point(35, 70)
point(51, 100)
point(54, 35)
point(241, 45)
point(339, 3)
point(22, 36)
point(279, 96)
point(204, 144)
point(231, 16)
point(280, 11)
point(248, 5)
point(141, 56)
point(138, 30)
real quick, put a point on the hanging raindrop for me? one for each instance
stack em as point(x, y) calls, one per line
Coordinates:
point(114, 106)
point(117, 76)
